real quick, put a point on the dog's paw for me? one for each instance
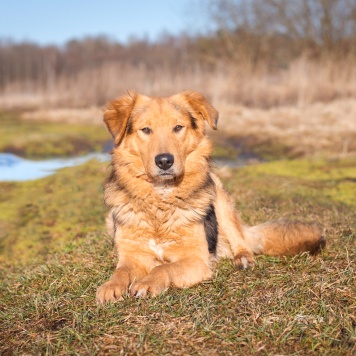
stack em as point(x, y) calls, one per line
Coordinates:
point(147, 286)
point(110, 292)
point(244, 260)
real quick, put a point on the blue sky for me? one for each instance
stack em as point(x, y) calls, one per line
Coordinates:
point(57, 21)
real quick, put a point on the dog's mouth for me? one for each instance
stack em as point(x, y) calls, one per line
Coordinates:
point(167, 175)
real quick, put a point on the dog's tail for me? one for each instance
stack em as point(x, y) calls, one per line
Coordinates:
point(284, 238)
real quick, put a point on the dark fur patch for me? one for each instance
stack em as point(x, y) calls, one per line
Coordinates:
point(193, 122)
point(208, 183)
point(115, 222)
point(111, 178)
point(129, 130)
point(211, 229)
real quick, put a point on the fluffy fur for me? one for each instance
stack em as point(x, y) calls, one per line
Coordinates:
point(170, 216)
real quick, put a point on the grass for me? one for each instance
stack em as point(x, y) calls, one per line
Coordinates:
point(316, 129)
point(299, 305)
point(39, 139)
point(309, 130)
point(40, 216)
point(229, 82)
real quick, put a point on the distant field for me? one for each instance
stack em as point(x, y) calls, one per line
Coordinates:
point(310, 130)
point(327, 129)
point(43, 137)
point(299, 82)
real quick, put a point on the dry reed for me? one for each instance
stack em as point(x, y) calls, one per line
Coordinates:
point(310, 106)
point(303, 82)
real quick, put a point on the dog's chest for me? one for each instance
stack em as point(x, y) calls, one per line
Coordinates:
point(159, 215)
point(159, 249)
point(167, 216)
point(163, 191)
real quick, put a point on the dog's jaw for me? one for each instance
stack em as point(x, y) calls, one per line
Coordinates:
point(166, 178)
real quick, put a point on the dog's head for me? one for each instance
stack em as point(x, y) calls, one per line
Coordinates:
point(160, 132)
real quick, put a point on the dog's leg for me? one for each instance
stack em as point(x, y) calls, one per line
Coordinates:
point(119, 282)
point(135, 262)
point(187, 264)
point(230, 227)
point(181, 274)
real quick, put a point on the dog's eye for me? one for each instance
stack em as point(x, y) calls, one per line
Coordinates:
point(146, 130)
point(177, 128)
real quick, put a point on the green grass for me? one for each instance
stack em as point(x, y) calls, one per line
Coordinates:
point(35, 139)
point(40, 216)
point(300, 305)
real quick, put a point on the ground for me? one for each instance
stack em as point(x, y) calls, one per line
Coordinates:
point(40, 139)
point(55, 253)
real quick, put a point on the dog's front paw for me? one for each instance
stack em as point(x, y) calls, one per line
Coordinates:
point(110, 292)
point(147, 286)
point(244, 260)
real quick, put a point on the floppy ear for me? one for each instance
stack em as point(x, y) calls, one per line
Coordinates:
point(200, 104)
point(117, 114)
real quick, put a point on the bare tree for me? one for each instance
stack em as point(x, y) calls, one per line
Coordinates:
point(318, 25)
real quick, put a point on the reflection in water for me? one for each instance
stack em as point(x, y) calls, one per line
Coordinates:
point(13, 168)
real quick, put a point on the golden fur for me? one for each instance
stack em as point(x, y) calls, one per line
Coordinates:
point(169, 216)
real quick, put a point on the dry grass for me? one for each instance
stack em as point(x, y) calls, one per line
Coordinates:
point(312, 130)
point(93, 115)
point(317, 129)
point(305, 81)
point(39, 139)
point(307, 109)
point(295, 306)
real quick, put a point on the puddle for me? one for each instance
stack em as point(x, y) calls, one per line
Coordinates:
point(241, 160)
point(16, 169)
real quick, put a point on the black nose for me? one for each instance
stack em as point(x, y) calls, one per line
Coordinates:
point(164, 161)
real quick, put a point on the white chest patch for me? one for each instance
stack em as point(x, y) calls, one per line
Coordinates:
point(163, 191)
point(157, 248)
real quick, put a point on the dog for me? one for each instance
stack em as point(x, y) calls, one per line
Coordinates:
point(169, 216)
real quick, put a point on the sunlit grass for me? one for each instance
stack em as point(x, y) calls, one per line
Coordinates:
point(295, 305)
point(38, 139)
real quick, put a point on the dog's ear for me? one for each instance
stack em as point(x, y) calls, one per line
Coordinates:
point(117, 114)
point(200, 104)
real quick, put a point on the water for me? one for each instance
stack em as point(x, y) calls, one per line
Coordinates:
point(16, 169)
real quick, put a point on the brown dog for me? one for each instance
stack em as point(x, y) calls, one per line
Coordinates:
point(169, 216)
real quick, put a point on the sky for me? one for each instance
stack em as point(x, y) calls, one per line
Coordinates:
point(56, 21)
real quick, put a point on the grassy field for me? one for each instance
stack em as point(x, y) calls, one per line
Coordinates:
point(286, 131)
point(55, 253)
point(327, 129)
point(40, 139)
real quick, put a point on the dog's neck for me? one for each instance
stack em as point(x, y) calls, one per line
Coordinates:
point(163, 190)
